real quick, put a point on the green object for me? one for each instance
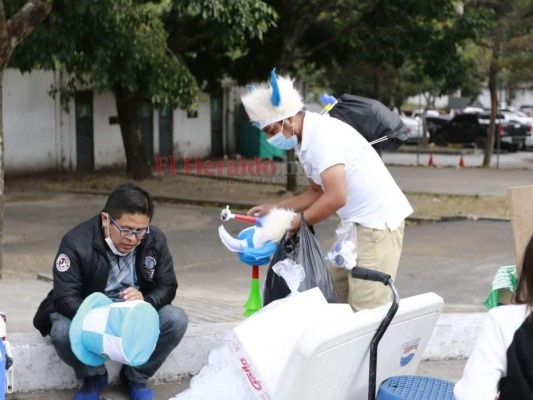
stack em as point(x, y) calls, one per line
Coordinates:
point(505, 279)
point(251, 141)
point(254, 302)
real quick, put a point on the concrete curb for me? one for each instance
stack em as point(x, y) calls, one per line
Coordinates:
point(454, 336)
point(37, 366)
point(242, 205)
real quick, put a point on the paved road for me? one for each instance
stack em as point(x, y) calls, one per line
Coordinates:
point(455, 259)
point(464, 181)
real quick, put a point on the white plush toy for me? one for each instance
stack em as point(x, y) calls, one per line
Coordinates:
point(259, 241)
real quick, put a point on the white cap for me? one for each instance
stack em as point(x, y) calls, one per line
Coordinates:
point(267, 103)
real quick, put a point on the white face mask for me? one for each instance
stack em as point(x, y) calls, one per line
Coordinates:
point(110, 243)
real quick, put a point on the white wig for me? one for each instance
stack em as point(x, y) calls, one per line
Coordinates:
point(267, 103)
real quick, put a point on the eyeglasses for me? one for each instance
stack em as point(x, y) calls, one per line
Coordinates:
point(125, 232)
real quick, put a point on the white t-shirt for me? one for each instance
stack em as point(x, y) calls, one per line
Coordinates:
point(488, 362)
point(374, 200)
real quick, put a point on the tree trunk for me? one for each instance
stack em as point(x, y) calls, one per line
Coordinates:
point(2, 67)
point(137, 166)
point(377, 77)
point(493, 72)
point(489, 145)
point(291, 184)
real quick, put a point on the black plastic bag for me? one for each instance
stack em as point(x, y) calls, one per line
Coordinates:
point(275, 286)
point(305, 250)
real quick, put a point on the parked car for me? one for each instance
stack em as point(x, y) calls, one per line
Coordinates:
point(527, 109)
point(434, 123)
point(529, 141)
point(512, 116)
point(472, 129)
point(414, 129)
point(421, 113)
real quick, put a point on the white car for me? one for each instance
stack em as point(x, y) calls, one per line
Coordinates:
point(427, 113)
point(414, 129)
point(519, 116)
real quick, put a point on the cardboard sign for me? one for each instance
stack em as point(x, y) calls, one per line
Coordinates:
point(521, 199)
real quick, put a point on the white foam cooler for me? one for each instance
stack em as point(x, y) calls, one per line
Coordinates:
point(303, 348)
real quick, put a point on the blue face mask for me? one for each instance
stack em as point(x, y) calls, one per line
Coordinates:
point(281, 142)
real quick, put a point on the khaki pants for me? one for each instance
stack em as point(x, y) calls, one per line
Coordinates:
point(376, 249)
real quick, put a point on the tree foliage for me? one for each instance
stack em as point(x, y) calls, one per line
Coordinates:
point(362, 45)
point(509, 53)
point(142, 51)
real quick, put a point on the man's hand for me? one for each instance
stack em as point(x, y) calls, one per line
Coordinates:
point(295, 225)
point(131, 294)
point(259, 211)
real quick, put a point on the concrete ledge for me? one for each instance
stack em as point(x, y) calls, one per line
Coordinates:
point(454, 336)
point(37, 366)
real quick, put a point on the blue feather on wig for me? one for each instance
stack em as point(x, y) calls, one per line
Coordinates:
point(276, 97)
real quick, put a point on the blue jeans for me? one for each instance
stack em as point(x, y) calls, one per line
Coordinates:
point(173, 323)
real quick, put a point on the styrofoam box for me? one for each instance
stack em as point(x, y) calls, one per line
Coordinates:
point(263, 343)
point(303, 348)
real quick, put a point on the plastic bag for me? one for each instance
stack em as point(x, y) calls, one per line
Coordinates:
point(275, 286)
point(292, 273)
point(343, 253)
point(304, 250)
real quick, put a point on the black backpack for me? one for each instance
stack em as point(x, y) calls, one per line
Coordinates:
point(371, 118)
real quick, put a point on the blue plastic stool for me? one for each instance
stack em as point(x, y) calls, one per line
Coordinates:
point(409, 387)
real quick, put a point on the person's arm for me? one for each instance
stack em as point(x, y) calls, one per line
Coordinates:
point(304, 200)
point(485, 366)
point(333, 197)
point(297, 203)
point(68, 279)
point(165, 283)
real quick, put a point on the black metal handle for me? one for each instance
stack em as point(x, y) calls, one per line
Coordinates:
point(377, 276)
point(370, 275)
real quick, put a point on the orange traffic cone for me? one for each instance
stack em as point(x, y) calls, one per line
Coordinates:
point(430, 162)
point(461, 162)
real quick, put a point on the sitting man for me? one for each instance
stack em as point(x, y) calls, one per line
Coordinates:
point(120, 255)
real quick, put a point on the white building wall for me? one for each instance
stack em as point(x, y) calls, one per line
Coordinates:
point(34, 130)
point(40, 136)
point(192, 136)
point(521, 97)
point(108, 146)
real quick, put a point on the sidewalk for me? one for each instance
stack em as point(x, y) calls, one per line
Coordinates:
point(214, 286)
point(451, 157)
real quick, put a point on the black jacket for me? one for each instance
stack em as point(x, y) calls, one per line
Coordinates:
point(518, 382)
point(81, 267)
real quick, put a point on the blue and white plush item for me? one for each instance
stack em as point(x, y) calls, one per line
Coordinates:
point(255, 245)
point(126, 332)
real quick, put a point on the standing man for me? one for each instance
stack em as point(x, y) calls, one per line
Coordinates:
point(119, 254)
point(347, 177)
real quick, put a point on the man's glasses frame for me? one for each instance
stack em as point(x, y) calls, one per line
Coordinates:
point(126, 232)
